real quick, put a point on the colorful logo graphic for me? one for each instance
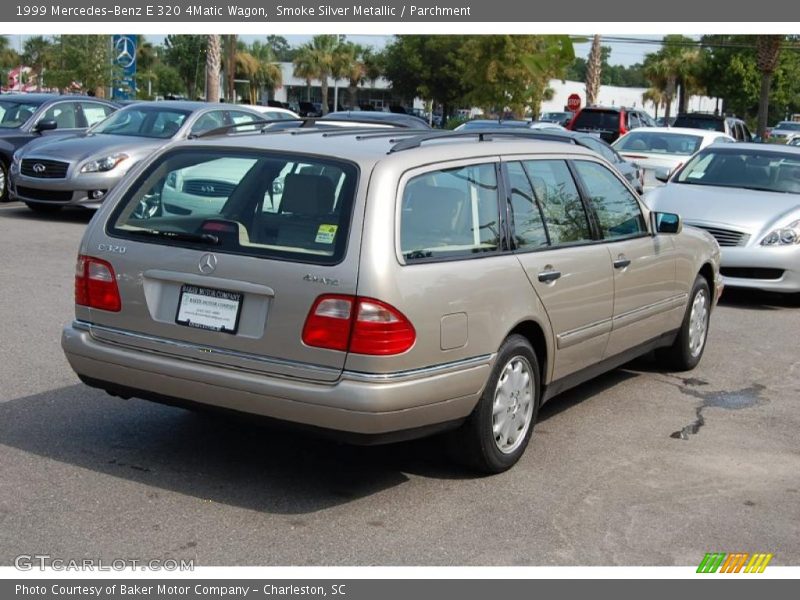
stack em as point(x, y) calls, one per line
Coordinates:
point(737, 562)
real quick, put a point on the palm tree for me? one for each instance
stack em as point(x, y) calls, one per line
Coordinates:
point(656, 96)
point(304, 68)
point(213, 65)
point(37, 53)
point(230, 67)
point(661, 71)
point(146, 59)
point(8, 56)
point(319, 59)
point(269, 74)
point(768, 51)
point(594, 71)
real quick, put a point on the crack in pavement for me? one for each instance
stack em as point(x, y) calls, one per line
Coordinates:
point(727, 399)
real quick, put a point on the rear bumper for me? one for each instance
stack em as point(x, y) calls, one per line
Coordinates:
point(363, 404)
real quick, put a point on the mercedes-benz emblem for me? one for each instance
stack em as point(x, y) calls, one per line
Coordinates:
point(39, 168)
point(126, 52)
point(208, 262)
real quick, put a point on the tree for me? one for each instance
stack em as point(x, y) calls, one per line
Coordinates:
point(429, 66)
point(187, 55)
point(554, 55)
point(83, 60)
point(594, 71)
point(8, 56)
point(768, 51)
point(38, 54)
point(320, 59)
point(213, 65)
point(268, 74)
point(656, 97)
point(230, 48)
point(280, 48)
point(168, 80)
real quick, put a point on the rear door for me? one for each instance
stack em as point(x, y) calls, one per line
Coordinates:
point(566, 269)
point(226, 267)
point(645, 290)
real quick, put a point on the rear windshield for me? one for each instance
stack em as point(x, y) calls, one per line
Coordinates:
point(659, 143)
point(708, 123)
point(285, 206)
point(598, 119)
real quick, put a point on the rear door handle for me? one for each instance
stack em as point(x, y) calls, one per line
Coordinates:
point(621, 262)
point(548, 276)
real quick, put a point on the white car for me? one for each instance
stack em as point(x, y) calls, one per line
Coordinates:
point(661, 150)
point(273, 112)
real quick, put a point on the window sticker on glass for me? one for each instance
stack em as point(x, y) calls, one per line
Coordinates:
point(326, 234)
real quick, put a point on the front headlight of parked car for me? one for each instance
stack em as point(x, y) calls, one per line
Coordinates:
point(783, 236)
point(103, 164)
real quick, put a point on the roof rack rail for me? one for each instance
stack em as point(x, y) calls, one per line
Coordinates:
point(483, 135)
point(303, 123)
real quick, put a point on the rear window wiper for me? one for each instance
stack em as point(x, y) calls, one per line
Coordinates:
point(181, 236)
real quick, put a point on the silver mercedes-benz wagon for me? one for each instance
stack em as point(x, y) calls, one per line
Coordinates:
point(382, 285)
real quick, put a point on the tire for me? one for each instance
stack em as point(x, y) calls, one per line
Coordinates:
point(481, 442)
point(43, 208)
point(3, 180)
point(688, 347)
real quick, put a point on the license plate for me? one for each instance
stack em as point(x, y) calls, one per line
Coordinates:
point(208, 308)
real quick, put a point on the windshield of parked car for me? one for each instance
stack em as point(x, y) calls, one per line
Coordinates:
point(141, 121)
point(788, 125)
point(751, 169)
point(597, 119)
point(15, 114)
point(659, 143)
point(277, 205)
point(709, 123)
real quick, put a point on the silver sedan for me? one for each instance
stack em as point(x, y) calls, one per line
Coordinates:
point(80, 170)
point(748, 197)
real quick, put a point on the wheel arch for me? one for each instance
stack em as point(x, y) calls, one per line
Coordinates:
point(534, 332)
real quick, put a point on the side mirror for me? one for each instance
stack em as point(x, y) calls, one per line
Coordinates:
point(45, 125)
point(666, 222)
point(662, 175)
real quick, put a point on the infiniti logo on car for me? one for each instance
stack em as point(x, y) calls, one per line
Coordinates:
point(39, 168)
point(207, 189)
point(208, 262)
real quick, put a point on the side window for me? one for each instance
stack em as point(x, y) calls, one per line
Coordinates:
point(746, 135)
point(64, 114)
point(239, 116)
point(618, 211)
point(208, 121)
point(450, 213)
point(558, 197)
point(633, 121)
point(94, 113)
point(529, 231)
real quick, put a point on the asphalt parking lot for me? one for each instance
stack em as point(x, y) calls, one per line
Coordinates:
point(639, 467)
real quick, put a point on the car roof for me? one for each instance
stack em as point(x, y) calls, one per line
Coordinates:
point(757, 147)
point(190, 105)
point(369, 146)
point(42, 98)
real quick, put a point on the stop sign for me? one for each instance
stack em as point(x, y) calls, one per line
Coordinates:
point(573, 102)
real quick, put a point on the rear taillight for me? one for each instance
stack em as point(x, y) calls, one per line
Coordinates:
point(622, 128)
point(96, 284)
point(359, 325)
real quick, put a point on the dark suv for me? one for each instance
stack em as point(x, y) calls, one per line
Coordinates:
point(736, 128)
point(610, 122)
